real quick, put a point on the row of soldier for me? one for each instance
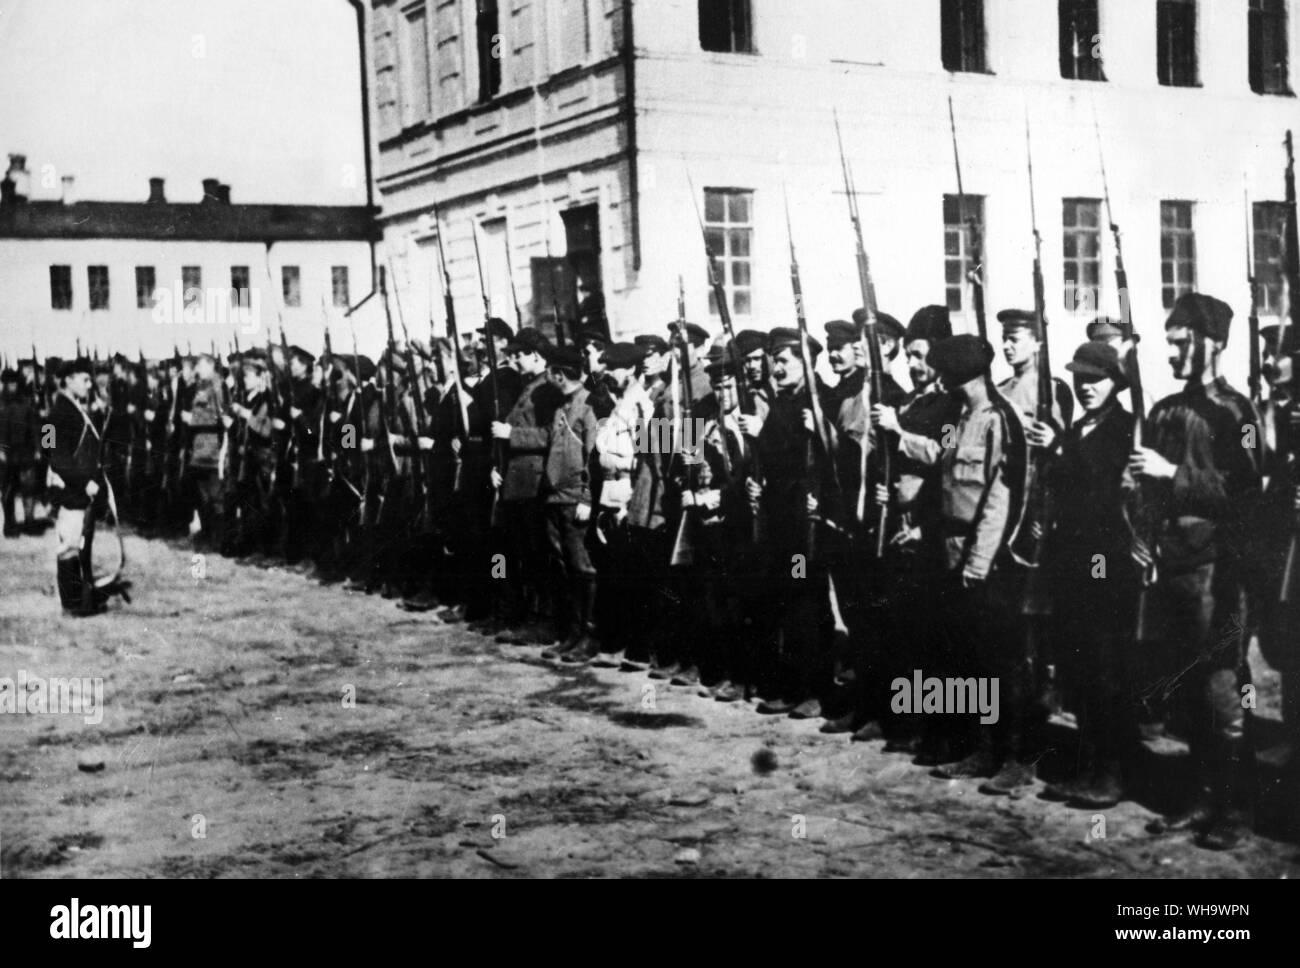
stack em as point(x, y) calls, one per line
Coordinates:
point(615, 504)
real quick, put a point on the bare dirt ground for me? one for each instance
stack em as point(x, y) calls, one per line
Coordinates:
point(224, 697)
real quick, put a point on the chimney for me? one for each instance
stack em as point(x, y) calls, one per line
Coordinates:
point(210, 189)
point(223, 194)
point(20, 179)
point(156, 195)
point(69, 190)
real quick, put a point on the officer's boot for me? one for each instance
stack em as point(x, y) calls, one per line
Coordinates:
point(1017, 773)
point(1234, 797)
point(1200, 811)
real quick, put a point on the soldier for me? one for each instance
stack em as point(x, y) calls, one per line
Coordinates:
point(592, 344)
point(255, 439)
point(300, 419)
point(1275, 532)
point(751, 347)
point(526, 431)
point(1095, 613)
point(1021, 341)
point(566, 491)
point(794, 494)
point(19, 449)
point(76, 475)
point(982, 481)
point(203, 418)
point(1200, 474)
point(906, 629)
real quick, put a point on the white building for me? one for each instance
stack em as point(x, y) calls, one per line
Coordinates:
point(154, 276)
point(583, 127)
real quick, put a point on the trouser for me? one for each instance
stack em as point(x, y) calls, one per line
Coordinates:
point(253, 498)
point(525, 587)
point(206, 490)
point(571, 566)
point(17, 481)
point(802, 665)
point(390, 532)
point(75, 533)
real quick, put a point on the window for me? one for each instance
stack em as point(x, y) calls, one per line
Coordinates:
point(726, 26)
point(1177, 251)
point(728, 217)
point(192, 285)
point(489, 50)
point(1269, 237)
point(1176, 42)
point(962, 31)
point(339, 285)
point(1080, 40)
point(418, 104)
point(958, 257)
point(1081, 246)
point(291, 285)
point(239, 286)
point(1268, 50)
point(97, 284)
point(145, 284)
point(60, 287)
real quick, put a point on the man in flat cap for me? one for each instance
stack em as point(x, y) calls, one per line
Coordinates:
point(1094, 619)
point(982, 468)
point(904, 627)
point(796, 493)
point(526, 434)
point(751, 347)
point(1200, 474)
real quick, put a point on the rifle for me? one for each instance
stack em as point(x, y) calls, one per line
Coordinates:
point(823, 433)
point(1026, 545)
point(42, 397)
point(498, 448)
point(1255, 384)
point(684, 545)
point(1289, 593)
point(745, 391)
point(388, 398)
point(418, 476)
point(1142, 541)
point(510, 276)
point(975, 238)
point(449, 306)
point(871, 337)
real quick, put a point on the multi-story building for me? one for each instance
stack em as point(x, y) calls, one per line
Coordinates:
point(154, 275)
point(595, 128)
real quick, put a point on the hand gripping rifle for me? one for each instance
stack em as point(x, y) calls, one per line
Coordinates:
point(453, 333)
point(871, 338)
point(1027, 543)
point(684, 546)
point(974, 238)
point(1134, 514)
point(822, 436)
point(745, 391)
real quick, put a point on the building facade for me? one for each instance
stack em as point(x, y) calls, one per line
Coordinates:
point(155, 276)
point(567, 134)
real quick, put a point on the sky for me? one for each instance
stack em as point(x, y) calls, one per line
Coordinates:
point(262, 94)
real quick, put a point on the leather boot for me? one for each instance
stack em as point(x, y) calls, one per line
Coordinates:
point(587, 647)
point(1234, 800)
point(78, 602)
point(981, 763)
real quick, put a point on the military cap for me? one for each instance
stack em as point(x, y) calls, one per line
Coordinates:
point(720, 362)
point(1201, 314)
point(31, 363)
point(840, 332)
point(1270, 333)
point(889, 326)
point(1106, 328)
point(500, 328)
point(751, 341)
point(622, 356)
point(1020, 319)
point(301, 354)
point(652, 343)
point(9, 375)
point(1095, 358)
point(931, 323)
point(79, 365)
point(367, 367)
point(695, 333)
point(591, 336)
point(783, 336)
point(960, 359)
point(564, 357)
point(255, 363)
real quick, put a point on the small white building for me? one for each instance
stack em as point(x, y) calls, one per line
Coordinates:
point(154, 276)
point(573, 125)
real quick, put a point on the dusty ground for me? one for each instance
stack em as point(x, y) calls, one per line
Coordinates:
point(224, 697)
